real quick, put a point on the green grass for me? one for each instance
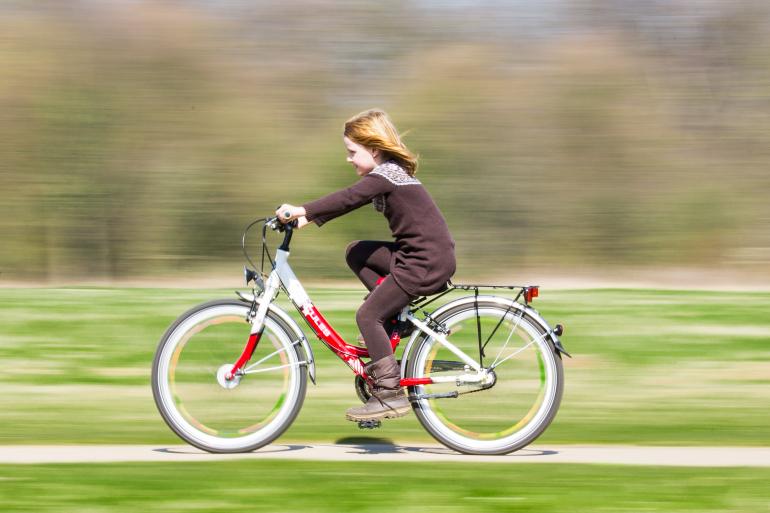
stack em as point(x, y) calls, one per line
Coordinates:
point(303, 486)
point(649, 367)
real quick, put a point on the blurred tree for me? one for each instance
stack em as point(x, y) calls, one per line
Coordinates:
point(137, 139)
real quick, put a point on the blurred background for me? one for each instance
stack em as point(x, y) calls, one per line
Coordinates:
point(137, 139)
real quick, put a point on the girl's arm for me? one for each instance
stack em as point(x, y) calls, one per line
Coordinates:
point(337, 203)
point(341, 202)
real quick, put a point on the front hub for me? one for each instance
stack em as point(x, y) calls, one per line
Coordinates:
point(222, 377)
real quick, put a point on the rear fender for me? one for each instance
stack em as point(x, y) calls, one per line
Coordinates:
point(505, 303)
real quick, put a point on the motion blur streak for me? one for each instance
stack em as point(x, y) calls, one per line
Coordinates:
point(138, 138)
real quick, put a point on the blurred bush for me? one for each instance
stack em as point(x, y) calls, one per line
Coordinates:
point(139, 138)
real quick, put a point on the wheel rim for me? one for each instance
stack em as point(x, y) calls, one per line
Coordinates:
point(510, 411)
point(209, 414)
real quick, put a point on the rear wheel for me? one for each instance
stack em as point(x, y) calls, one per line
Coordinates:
point(518, 401)
point(215, 414)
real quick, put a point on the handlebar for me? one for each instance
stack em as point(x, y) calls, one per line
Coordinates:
point(288, 228)
point(274, 224)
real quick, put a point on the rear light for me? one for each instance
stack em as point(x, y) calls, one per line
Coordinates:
point(530, 293)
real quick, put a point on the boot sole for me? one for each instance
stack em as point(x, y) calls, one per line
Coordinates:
point(392, 414)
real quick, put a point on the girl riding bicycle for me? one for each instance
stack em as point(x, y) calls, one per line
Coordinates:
point(419, 262)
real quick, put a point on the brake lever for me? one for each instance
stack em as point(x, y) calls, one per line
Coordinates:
point(273, 223)
point(276, 225)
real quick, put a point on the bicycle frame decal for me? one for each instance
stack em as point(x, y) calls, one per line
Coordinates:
point(317, 322)
point(326, 333)
point(349, 354)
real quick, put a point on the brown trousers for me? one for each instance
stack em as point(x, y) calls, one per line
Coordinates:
point(370, 260)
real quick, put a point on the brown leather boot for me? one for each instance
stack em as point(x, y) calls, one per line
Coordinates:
point(388, 399)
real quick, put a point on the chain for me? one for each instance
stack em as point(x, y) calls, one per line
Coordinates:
point(485, 387)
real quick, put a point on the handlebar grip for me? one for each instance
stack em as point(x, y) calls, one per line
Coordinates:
point(285, 214)
point(275, 224)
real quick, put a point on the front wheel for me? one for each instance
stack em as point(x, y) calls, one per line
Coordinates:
point(511, 408)
point(214, 414)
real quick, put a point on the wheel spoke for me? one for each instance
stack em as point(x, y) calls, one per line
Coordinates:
point(297, 364)
point(533, 341)
point(502, 318)
point(513, 329)
point(247, 369)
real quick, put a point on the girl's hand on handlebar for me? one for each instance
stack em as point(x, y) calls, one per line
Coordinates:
point(302, 221)
point(287, 212)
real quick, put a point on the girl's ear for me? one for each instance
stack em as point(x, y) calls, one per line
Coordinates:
point(375, 152)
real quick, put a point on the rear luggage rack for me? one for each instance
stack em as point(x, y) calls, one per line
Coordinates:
point(525, 292)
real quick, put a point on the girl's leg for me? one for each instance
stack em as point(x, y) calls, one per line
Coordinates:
point(370, 260)
point(383, 303)
point(388, 399)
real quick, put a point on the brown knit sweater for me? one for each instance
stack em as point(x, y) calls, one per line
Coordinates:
point(425, 259)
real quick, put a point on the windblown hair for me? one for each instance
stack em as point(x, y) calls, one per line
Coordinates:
point(374, 129)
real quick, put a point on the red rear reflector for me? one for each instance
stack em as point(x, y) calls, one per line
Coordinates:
point(530, 293)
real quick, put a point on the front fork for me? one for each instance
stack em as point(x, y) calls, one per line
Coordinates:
point(256, 317)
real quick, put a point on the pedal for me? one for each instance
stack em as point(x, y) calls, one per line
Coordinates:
point(369, 424)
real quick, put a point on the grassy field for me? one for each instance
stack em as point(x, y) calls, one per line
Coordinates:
point(649, 367)
point(339, 486)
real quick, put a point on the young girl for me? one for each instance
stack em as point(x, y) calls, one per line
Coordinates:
point(419, 261)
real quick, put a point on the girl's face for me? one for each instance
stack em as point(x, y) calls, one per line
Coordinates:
point(362, 158)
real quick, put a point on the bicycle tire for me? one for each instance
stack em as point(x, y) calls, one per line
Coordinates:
point(467, 423)
point(203, 412)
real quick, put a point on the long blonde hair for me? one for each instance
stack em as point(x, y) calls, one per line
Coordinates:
point(374, 129)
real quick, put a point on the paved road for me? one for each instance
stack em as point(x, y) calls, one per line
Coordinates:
point(354, 451)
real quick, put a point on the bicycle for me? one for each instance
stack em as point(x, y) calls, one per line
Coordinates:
point(483, 372)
